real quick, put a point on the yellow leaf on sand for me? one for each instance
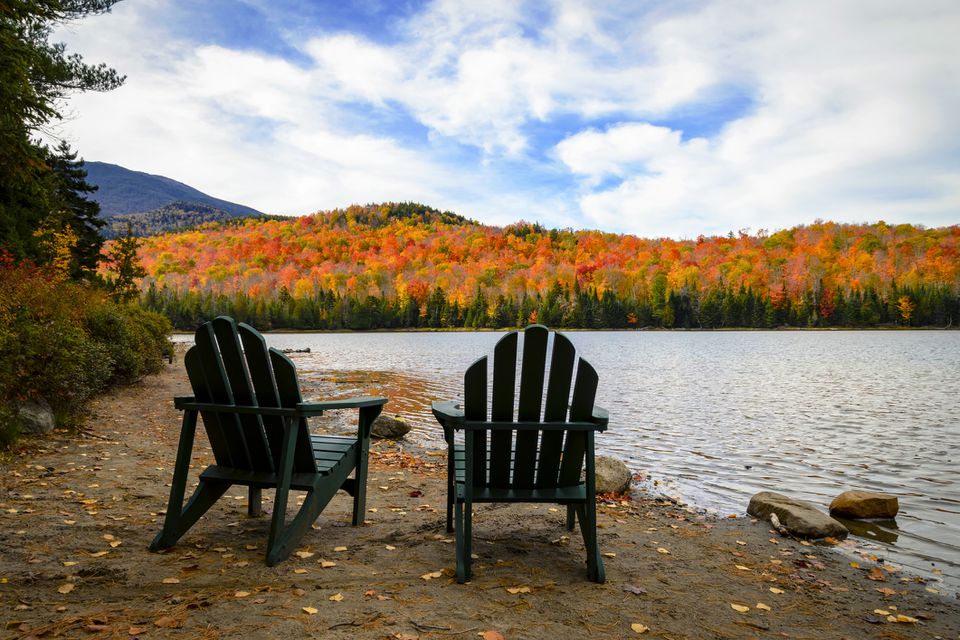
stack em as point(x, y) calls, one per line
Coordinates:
point(741, 543)
point(639, 628)
point(337, 597)
point(241, 594)
point(339, 548)
point(304, 554)
point(906, 619)
point(516, 590)
point(69, 563)
point(742, 568)
point(855, 565)
point(881, 612)
point(877, 574)
point(309, 610)
point(739, 608)
point(326, 564)
point(170, 581)
point(115, 544)
point(929, 589)
point(435, 574)
point(663, 551)
point(775, 590)
point(390, 547)
point(66, 588)
point(762, 607)
point(609, 554)
point(300, 571)
point(491, 635)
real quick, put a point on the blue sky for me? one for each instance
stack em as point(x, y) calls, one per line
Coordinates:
point(657, 118)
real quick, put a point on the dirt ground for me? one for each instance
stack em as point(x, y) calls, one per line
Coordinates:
point(77, 512)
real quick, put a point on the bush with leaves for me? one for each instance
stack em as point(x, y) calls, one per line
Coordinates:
point(65, 342)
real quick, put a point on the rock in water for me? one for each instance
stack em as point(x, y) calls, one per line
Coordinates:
point(800, 518)
point(612, 475)
point(391, 427)
point(36, 417)
point(860, 505)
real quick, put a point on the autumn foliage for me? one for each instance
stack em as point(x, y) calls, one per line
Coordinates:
point(409, 265)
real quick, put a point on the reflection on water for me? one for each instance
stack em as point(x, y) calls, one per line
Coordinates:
point(718, 416)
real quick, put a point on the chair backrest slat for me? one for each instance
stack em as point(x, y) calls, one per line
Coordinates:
point(220, 393)
point(555, 409)
point(535, 340)
point(475, 408)
point(581, 408)
point(264, 385)
point(216, 432)
point(501, 407)
point(235, 366)
point(288, 389)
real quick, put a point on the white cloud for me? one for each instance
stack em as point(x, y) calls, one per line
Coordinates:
point(850, 112)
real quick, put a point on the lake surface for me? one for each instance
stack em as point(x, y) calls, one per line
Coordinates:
point(714, 417)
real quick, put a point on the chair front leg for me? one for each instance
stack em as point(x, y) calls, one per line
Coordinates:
point(365, 422)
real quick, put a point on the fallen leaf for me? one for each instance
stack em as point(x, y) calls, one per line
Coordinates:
point(168, 622)
point(390, 547)
point(309, 610)
point(881, 612)
point(69, 563)
point(887, 591)
point(326, 564)
point(906, 619)
point(637, 591)
point(99, 554)
point(435, 574)
point(663, 551)
point(609, 554)
point(304, 554)
point(241, 594)
point(516, 590)
point(170, 581)
point(136, 631)
point(115, 544)
point(339, 548)
point(739, 608)
point(928, 589)
point(741, 543)
point(775, 590)
point(639, 628)
point(300, 571)
point(742, 568)
point(762, 606)
point(491, 635)
point(877, 574)
point(66, 588)
point(96, 628)
point(855, 565)
point(336, 597)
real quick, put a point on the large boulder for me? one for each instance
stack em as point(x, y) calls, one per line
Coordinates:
point(861, 505)
point(36, 417)
point(612, 475)
point(390, 427)
point(801, 519)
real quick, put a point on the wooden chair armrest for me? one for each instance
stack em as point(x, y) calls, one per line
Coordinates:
point(600, 417)
point(308, 409)
point(448, 412)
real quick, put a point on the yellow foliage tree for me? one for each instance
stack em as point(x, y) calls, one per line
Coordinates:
point(906, 307)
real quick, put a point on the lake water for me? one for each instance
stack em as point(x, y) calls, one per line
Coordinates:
point(714, 417)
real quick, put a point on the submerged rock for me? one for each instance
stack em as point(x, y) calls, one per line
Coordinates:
point(390, 427)
point(860, 505)
point(613, 476)
point(800, 518)
point(36, 417)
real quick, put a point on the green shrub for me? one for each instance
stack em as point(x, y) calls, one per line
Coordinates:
point(66, 342)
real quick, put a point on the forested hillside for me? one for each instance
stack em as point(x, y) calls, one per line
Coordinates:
point(406, 265)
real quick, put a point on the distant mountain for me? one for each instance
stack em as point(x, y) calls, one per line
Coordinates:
point(125, 191)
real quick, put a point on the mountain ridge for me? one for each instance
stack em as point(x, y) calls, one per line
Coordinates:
point(125, 191)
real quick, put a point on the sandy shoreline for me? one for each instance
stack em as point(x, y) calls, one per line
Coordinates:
point(78, 511)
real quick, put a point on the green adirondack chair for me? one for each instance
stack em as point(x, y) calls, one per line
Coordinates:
point(249, 399)
point(530, 456)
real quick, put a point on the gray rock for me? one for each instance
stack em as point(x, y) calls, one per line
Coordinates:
point(801, 519)
point(36, 417)
point(612, 475)
point(390, 427)
point(859, 505)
